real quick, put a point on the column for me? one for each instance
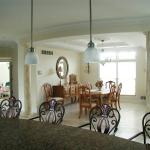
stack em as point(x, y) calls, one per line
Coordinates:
point(148, 69)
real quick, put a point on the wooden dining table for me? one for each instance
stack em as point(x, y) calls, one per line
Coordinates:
point(99, 94)
point(33, 135)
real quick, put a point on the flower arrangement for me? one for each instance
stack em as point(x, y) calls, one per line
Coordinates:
point(99, 84)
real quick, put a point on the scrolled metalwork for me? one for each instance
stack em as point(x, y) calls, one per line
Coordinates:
point(104, 119)
point(10, 108)
point(52, 112)
point(146, 126)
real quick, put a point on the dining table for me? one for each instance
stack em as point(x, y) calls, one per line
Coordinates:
point(19, 134)
point(99, 94)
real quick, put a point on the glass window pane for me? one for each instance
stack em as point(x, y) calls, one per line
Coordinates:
point(107, 56)
point(108, 71)
point(126, 74)
point(127, 70)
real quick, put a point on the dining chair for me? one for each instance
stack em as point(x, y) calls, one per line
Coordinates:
point(49, 93)
point(118, 94)
point(10, 108)
point(12, 98)
point(51, 112)
point(84, 99)
point(109, 84)
point(72, 79)
point(103, 119)
point(88, 85)
point(114, 96)
point(66, 91)
point(72, 91)
point(145, 129)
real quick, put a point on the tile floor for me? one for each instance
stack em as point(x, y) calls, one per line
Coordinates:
point(130, 123)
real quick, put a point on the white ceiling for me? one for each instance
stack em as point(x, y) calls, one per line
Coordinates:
point(60, 18)
point(111, 41)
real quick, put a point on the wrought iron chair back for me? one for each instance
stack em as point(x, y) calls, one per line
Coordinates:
point(145, 128)
point(104, 119)
point(10, 108)
point(52, 112)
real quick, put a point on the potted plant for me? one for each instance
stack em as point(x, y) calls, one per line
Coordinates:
point(99, 84)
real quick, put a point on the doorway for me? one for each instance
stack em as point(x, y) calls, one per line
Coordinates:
point(5, 79)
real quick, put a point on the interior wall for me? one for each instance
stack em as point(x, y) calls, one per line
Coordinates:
point(46, 68)
point(141, 73)
point(93, 74)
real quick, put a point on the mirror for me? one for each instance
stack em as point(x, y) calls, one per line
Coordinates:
point(62, 67)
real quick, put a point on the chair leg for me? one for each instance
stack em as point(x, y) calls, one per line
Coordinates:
point(111, 104)
point(115, 103)
point(71, 99)
point(86, 111)
point(144, 136)
point(80, 113)
point(119, 104)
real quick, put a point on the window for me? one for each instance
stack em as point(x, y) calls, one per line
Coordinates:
point(121, 68)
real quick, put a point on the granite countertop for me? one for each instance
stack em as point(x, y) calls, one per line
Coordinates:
point(33, 135)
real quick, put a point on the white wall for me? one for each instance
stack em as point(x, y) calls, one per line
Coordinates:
point(47, 68)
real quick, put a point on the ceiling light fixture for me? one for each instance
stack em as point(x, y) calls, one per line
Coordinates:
point(31, 57)
point(91, 54)
point(102, 50)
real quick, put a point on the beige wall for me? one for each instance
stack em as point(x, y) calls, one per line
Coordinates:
point(141, 73)
point(92, 76)
point(47, 68)
point(21, 75)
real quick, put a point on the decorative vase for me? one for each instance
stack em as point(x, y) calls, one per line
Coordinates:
point(99, 88)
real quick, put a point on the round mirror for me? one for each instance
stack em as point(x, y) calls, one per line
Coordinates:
point(62, 67)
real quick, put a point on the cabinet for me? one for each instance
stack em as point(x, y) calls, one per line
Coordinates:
point(58, 91)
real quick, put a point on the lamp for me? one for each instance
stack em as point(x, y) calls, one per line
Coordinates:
point(31, 57)
point(104, 59)
point(102, 50)
point(91, 54)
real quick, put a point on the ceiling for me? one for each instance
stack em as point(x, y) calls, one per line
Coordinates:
point(118, 41)
point(70, 18)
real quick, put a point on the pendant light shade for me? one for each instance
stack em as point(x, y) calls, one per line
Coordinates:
point(91, 54)
point(31, 57)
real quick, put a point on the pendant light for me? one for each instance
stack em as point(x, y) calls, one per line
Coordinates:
point(91, 54)
point(102, 50)
point(31, 57)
